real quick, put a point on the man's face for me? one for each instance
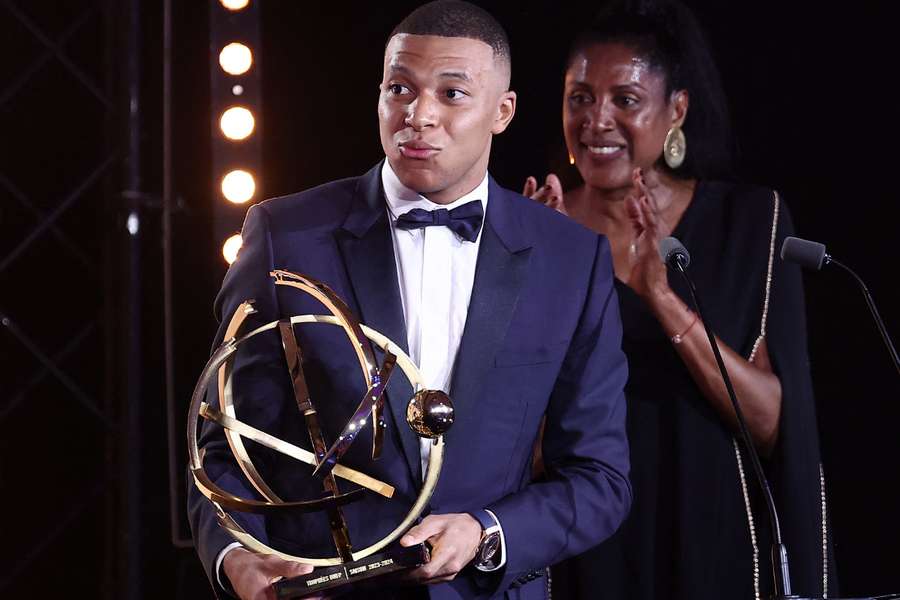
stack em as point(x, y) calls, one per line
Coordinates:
point(441, 101)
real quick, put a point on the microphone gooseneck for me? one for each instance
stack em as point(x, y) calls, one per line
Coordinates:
point(812, 255)
point(676, 256)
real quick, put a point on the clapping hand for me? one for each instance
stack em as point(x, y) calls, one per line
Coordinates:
point(550, 194)
point(647, 273)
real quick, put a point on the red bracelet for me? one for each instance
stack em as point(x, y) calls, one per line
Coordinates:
point(679, 337)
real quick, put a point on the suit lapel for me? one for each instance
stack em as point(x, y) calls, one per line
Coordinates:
point(499, 275)
point(368, 253)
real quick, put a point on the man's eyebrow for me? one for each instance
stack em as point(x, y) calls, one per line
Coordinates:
point(398, 68)
point(404, 70)
point(462, 75)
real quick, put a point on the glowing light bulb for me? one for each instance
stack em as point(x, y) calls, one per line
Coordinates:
point(238, 186)
point(230, 248)
point(235, 4)
point(237, 123)
point(236, 58)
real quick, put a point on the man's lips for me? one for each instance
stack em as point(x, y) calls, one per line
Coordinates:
point(418, 150)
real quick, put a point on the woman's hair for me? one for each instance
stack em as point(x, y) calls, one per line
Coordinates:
point(668, 36)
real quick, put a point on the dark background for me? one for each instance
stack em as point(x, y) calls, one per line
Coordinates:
point(86, 492)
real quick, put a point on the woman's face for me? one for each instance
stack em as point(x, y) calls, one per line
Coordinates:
point(616, 114)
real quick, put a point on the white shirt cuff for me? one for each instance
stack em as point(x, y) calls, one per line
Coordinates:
point(221, 557)
point(502, 562)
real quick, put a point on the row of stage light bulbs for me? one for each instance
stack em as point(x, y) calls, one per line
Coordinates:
point(237, 123)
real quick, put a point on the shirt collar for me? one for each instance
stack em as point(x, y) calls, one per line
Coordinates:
point(401, 199)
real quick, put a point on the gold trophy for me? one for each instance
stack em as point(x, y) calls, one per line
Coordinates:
point(429, 415)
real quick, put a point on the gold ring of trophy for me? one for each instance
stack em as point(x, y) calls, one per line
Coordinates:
point(429, 415)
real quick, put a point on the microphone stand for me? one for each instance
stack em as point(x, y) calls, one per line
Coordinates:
point(871, 304)
point(781, 572)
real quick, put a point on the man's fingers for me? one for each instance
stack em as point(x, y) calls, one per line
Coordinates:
point(429, 526)
point(252, 575)
point(295, 569)
point(445, 563)
point(276, 568)
point(454, 540)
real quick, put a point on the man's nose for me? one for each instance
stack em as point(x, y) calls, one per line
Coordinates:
point(421, 112)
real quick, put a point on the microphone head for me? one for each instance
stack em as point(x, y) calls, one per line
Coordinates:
point(807, 254)
point(670, 247)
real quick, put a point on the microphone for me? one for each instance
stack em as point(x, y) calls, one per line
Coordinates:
point(675, 255)
point(807, 254)
point(812, 255)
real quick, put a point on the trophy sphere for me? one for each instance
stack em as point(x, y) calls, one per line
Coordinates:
point(430, 413)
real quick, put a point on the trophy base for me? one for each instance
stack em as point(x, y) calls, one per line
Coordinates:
point(327, 578)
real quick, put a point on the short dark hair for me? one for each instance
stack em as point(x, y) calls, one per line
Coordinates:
point(455, 18)
point(667, 35)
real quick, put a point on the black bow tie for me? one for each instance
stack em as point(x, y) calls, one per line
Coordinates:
point(464, 221)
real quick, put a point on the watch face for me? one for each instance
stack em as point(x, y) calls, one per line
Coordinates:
point(488, 548)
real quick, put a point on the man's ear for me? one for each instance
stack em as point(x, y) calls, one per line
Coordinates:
point(506, 109)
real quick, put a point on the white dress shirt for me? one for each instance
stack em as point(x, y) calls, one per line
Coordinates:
point(436, 272)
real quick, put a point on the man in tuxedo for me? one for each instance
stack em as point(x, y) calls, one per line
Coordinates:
point(504, 304)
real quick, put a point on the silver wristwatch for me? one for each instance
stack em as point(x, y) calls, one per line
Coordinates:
point(487, 556)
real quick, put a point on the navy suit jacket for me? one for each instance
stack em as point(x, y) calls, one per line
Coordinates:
point(541, 339)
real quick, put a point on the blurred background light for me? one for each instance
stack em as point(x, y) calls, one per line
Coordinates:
point(238, 186)
point(236, 58)
point(237, 123)
point(230, 248)
point(235, 4)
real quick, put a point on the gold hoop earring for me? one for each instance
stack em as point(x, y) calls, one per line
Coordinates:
point(675, 147)
point(571, 158)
